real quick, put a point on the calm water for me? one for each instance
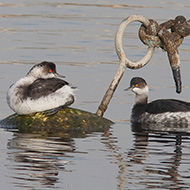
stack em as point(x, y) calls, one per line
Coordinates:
point(79, 37)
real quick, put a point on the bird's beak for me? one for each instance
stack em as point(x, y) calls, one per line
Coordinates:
point(58, 75)
point(128, 89)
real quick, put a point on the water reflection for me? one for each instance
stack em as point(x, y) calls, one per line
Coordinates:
point(37, 161)
point(159, 159)
point(40, 160)
point(156, 160)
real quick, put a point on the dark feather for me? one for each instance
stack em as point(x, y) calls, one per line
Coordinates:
point(162, 106)
point(167, 105)
point(44, 87)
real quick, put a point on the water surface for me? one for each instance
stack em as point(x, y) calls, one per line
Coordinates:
point(79, 37)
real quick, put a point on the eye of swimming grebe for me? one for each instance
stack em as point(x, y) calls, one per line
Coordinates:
point(136, 85)
point(50, 71)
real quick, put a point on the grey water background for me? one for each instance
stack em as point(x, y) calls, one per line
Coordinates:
point(79, 37)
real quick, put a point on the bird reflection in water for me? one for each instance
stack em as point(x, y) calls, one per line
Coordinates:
point(157, 159)
point(37, 160)
point(159, 153)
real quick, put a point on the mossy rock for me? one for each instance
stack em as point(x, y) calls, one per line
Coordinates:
point(69, 122)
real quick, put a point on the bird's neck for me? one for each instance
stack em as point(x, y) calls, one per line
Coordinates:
point(141, 99)
point(142, 96)
point(26, 80)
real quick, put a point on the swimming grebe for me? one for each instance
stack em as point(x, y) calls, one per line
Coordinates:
point(40, 90)
point(159, 111)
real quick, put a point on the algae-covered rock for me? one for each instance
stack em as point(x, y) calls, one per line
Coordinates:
point(68, 121)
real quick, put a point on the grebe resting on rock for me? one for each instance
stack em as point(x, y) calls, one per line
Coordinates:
point(40, 90)
point(165, 111)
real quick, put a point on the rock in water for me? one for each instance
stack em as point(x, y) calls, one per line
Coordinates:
point(67, 121)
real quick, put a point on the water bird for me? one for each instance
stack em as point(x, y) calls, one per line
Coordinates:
point(165, 111)
point(42, 89)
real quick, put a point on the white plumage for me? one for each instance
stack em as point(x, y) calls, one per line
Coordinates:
point(40, 90)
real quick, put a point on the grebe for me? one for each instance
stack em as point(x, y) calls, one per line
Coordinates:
point(40, 90)
point(159, 111)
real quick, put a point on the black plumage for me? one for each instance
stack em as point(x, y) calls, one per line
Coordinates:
point(162, 106)
point(138, 86)
point(44, 87)
point(167, 105)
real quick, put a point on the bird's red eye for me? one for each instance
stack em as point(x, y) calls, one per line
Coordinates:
point(50, 71)
point(136, 85)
